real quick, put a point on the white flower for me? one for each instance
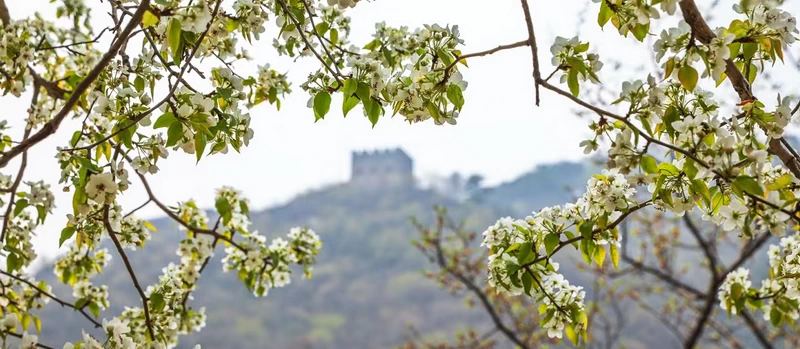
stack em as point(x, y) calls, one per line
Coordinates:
point(100, 186)
point(116, 327)
point(28, 341)
point(669, 6)
point(733, 215)
point(589, 145)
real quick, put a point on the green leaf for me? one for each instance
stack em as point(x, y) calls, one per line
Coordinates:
point(20, 205)
point(446, 58)
point(550, 243)
point(748, 185)
point(126, 128)
point(599, 255)
point(157, 301)
point(668, 169)
point(322, 28)
point(363, 91)
point(334, 36)
point(13, 262)
point(775, 317)
point(94, 309)
point(571, 334)
point(149, 19)
point(527, 282)
point(690, 169)
point(605, 14)
point(165, 120)
point(614, 256)
point(572, 82)
point(224, 209)
point(455, 96)
point(736, 290)
point(749, 50)
point(174, 133)
point(373, 110)
point(138, 83)
point(66, 234)
point(640, 31)
point(649, 164)
point(350, 86)
point(688, 77)
point(781, 182)
point(586, 229)
point(322, 104)
point(349, 103)
point(174, 38)
point(199, 144)
point(525, 252)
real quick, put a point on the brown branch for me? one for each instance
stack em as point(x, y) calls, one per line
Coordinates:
point(487, 52)
point(169, 95)
point(5, 17)
point(748, 252)
point(197, 230)
point(131, 273)
point(23, 164)
point(537, 76)
point(319, 37)
point(301, 31)
point(61, 302)
point(51, 126)
point(86, 42)
point(707, 250)
point(661, 275)
point(477, 291)
point(756, 330)
point(12, 334)
point(704, 34)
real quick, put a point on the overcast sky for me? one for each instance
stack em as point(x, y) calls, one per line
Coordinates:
point(500, 134)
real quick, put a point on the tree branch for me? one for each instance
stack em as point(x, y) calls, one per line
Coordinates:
point(5, 17)
point(756, 330)
point(53, 297)
point(51, 126)
point(131, 273)
point(704, 34)
point(537, 76)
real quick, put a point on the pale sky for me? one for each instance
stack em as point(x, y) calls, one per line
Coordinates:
point(500, 134)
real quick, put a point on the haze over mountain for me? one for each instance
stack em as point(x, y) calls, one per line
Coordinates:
point(367, 286)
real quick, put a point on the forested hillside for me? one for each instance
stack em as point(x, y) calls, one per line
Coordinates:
point(367, 287)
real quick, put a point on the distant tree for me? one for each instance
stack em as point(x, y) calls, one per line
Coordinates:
point(720, 165)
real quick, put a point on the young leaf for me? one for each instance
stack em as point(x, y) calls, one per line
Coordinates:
point(550, 243)
point(174, 36)
point(199, 144)
point(349, 103)
point(66, 234)
point(688, 77)
point(322, 104)
point(455, 96)
point(165, 120)
point(572, 82)
point(649, 164)
point(605, 14)
point(614, 256)
point(149, 19)
point(748, 185)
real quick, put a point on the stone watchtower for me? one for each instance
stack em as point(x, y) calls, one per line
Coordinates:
point(382, 168)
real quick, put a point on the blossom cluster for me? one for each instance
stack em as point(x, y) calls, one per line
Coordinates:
point(519, 250)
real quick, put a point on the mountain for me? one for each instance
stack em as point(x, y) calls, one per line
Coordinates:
point(366, 288)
